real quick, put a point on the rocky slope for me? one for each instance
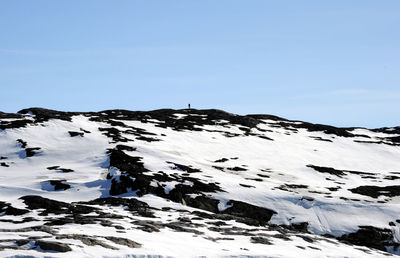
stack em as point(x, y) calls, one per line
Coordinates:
point(188, 183)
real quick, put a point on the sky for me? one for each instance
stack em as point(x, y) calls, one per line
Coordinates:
point(331, 62)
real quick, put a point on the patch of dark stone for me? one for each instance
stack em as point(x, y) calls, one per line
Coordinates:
point(263, 137)
point(320, 139)
point(376, 191)
point(123, 241)
point(216, 239)
point(87, 240)
point(391, 177)
point(114, 134)
point(188, 169)
point(241, 209)
point(219, 168)
point(260, 240)
point(83, 130)
point(23, 143)
point(295, 186)
point(74, 134)
point(264, 176)
point(237, 169)
point(329, 170)
point(64, 170)
point(349, 199)
point(34, 202)
point(297, 227)
point(288, 187)
point(138, 131)
point(59, 184)
point(125, 148)
point(221, 160)
point(372, 237)
point(30, 152)
point(182, 227)
point(7, 209)
point(333, 189)
point(131, 204)
point(53, 246)
point(247, 186)
point(254, 179)
point(4, 164)
point(341, 173)
point(2, 157)
point(147, 139)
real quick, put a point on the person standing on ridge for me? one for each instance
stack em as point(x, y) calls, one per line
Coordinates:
point(189, 105)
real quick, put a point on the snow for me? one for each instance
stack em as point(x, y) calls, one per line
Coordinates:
point(285, 158)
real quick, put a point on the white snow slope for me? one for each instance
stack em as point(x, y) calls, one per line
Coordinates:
point(191, 183)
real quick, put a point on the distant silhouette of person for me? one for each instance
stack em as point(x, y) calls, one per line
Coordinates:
point(189, 105)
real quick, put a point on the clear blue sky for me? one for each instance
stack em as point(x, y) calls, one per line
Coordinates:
point(333, 62)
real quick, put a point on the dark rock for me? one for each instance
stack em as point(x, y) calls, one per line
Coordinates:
point(123, 241)
point(131, 204)
point(247, 186)
point(294, 186)
point(242, 209)
point(85, 131)
point(59, 185)
point(125, 148)
point(221, 160)
point(237, 169)
point(376, 191)
point(65, 170)
point(21, 242)
point(188, 169)
point(9, 210)
point(31, 151)
point(87, 240)
point(51, 206)
point(328, 170)
point(320, 139)
point(147, 139)
point(53, 246)
point(73, 134)
point(370, 237)
point(391, 177)
point(114, 134)
point(23, 143)
point(260, 240)
point(203, 202)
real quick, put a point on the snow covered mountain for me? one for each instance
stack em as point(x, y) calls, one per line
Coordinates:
point(189, 183)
